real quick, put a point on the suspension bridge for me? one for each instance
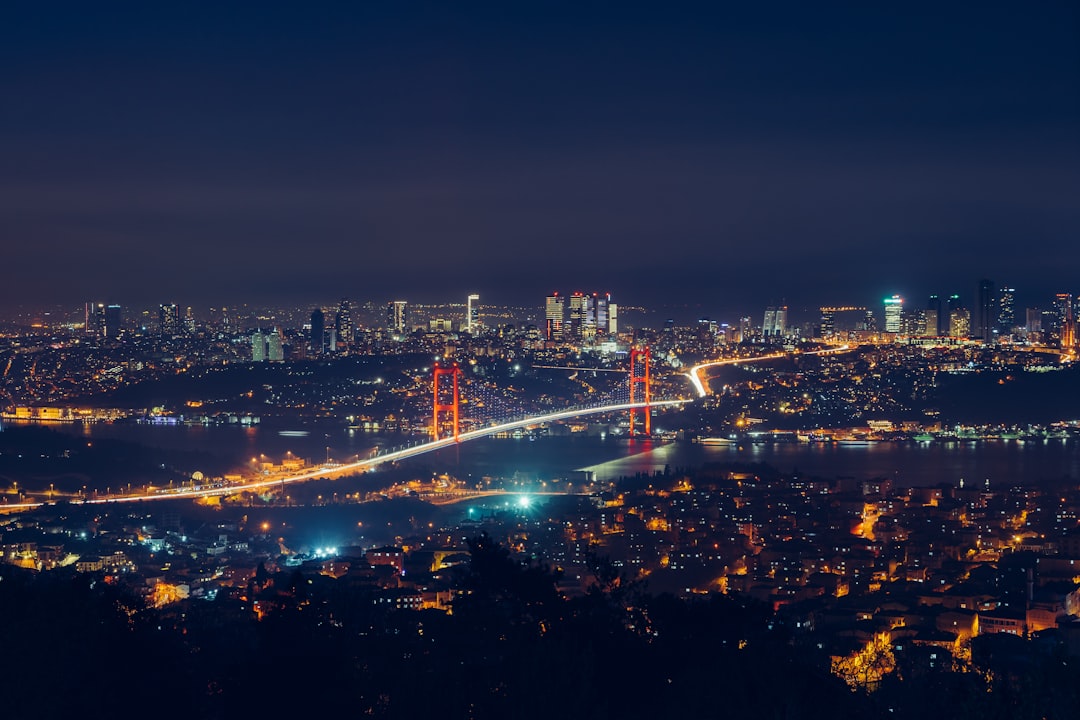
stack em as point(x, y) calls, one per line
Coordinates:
point(446, 432)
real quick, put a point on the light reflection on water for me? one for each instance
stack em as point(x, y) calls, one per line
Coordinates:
point(1002, 462)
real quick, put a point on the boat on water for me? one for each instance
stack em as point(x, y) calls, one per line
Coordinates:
point(923, 438)
point(714, 440)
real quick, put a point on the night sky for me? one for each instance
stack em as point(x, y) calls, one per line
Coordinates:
point(725, 154)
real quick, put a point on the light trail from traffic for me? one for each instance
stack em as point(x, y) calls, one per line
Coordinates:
point(331, 470)
point(699, 385)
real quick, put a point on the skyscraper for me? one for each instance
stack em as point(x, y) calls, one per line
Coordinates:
point(769, 321)
point(827, 324)
point(472, 314)
point(579, 310)
point(894, 311)
point(959, 322)
point(343, 326)
point(986, 310)
point(935, 316)
point(169, 320)
point(318, 332)
point(1006, 319)
point(113, 316)
point(554, 312)
point(601, 312)
point(397, 317)
point(1064, 331)
point(258, 347)
point(274, 350)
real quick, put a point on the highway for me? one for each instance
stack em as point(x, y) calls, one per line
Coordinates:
point(339, 469)
point(699, 384)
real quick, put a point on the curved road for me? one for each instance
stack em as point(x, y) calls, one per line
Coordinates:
point(699, 385)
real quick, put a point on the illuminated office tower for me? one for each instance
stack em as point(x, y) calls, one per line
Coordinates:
point(935, 316)
point(554, 314)
point(602, 306)
point(780, 322)
point(775, 323)
point(769, 321)
point(930, 323)
point(113, 317)
point(472, 314)
point(894, 311)
point(397, 317)
point(1006, 318)
point(189, 322)
point(1063, 331)
point(827, 324)
point(258, 347)
point(986, 310)
point(317, 339)
point(343, 327)
point(960, 322)
point(579, 310)
point(169, 320)
point(94, 322)
point(612, 317)
point(274, 350)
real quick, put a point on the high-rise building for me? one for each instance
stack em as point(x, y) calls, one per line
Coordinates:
point(472, 314)
point(258, 347)
point(769, 321)
point(986, 310)
point(1064, 330)
point(113, 319)
point(775, 323)
point(343, 326)
point(935, 317)
point(869, 323)
point(189, 322)
point(169, 320)
point(894, 311)
point(827, 324)
point(1033, 318)
point(612, 317)
point(317, 340)
point(397, 317)
point(554, 314)
point(92, 323)
point(960, 322)
point(274, 350)
point(601, 313)
point(579, 310)
point(1006, 318)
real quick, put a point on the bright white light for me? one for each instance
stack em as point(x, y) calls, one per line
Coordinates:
point(524, 501)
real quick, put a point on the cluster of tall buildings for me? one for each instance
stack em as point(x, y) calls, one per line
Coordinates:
point(103, 321)
point(580, 318)
point(268, 346)
point(340, 336)
point(775, 324)
point(992, 318)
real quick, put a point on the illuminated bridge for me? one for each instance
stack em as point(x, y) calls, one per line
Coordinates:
point(333, 470)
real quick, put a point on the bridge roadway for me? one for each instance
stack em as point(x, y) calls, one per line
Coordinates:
point(332, 470)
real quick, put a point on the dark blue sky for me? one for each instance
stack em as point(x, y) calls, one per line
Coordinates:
point(667, 152)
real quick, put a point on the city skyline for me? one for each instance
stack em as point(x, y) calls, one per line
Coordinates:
point(791, 152)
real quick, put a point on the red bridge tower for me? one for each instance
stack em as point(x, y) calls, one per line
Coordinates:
point(453, 407)
point(641, 377)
